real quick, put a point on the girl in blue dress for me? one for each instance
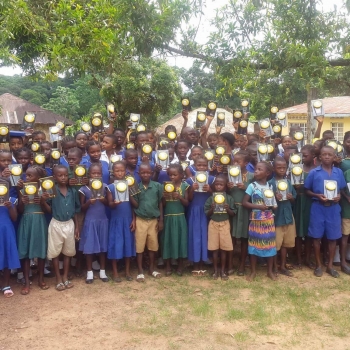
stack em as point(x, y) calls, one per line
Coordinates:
point(8, 248)
point(121, 242)
point(197, 221)
point(93, 149)
point(94, 235)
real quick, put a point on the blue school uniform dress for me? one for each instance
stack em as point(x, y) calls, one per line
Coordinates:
point(94, 235)
point(197, 223)
point(121, 241)
point(152, 161)
point(250, 167)
point(163, 176)
point(324, 217)
point(8, 247)
point(192, 169)
point(134, 174)
point(105, 170)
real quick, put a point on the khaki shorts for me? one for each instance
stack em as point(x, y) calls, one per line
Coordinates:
point(61, 238)
point(146, 233)
point(285, 236)
point(219, 235)
point(345, 227)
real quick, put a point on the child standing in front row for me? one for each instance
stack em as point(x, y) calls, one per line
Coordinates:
point(149, 219)
point(284, 220)
point(262, 232)
point(175, 227)
point(62, 228)
point(219, 235)
point(121, 240)
point(94, 234)
point(240, 222)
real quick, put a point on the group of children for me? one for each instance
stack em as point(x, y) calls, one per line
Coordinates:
point(178, 223)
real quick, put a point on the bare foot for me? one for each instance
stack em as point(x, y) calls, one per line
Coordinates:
point(272, 276)
point(251, 277)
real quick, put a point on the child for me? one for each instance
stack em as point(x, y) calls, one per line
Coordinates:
point(325, 215)
point(149, 219)
point(94, 151)
point(219, 237)
point(32, 231)
point(67, 143)
point(302, 208)
point(62, 228)
point(16, 142)
point(5, 161)
point(227, 140)
point(196, 151)
point(182, 148)
point(8, 248)
point(131, 160)
point(175, 227)
point(81, 140)
point(253, 157)
point(46, 147)
point(22, 156)
point(141, 138)
point(345, 163)
point(121, 241)
point(94, 234)
point(261, 232)
point(108, 145)
point(213, 140)
point(284, 221)
point(240, 222)
point(120, 135)
point(197, 219)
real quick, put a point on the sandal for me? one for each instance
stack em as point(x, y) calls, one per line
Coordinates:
point(289, 267)
point(140, 278)
point(318, 272)
point(286, 272)
point(240, 273)
point(298, 266)
point(129, 278)
point(203, 272)
point(230, 272)
point(168, 273)
point(78, 273)
point(89, 280)
point(43, 286)
point(215, 276)
point(224, 277)
point(60, 287)
point(117, 279)
point(156, 274)
point(346, 269)
point(179, 273)
point(68, 284)
point(8, 293)
point(104, 279)
point(311, 265)
point(333, 273)
point(25, 291)
point(196, 273)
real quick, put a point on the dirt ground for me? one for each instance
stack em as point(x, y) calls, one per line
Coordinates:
point(181, 313)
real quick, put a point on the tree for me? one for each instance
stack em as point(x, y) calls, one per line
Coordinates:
point(33, 96)
point(64, 103)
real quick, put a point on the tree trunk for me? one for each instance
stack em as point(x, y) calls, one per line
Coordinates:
point(310, 122)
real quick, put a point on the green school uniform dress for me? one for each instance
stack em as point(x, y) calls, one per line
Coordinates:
point(344, 204)
point(32, 233)
point(302, 210)
point(174, 242)
point(240, 222)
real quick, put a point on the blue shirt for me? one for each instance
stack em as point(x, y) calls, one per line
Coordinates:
point(105, 170)
point(250, 167)
point(284, 212)
point(315, 180)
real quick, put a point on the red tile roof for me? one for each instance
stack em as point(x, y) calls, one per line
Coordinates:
point(13, 109)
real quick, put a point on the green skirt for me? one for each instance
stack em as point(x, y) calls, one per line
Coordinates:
point(174, 238)
point(301, 211)
point(240, 222)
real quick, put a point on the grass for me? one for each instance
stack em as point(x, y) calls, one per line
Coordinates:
point(237, 313)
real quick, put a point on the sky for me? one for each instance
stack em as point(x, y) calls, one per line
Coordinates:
point(202, 35)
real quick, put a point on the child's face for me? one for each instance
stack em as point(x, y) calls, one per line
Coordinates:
point(39, 138)
point(244, 142)
point(171, 153)
point(195, 153)
point(132, 138)
point(67, 146)
point(94, 152)
point(120, 137)
point(174, 175)
point(151, 138)
point(15, 143)
point(182, 150)
point(280, 169)
point(5, 160)
point(107, 144)
point(253, 154)
point(46, 149)
point(327, 156)
point(328, 136)
point(220, 185)
point(131, 160)
point(61, 176)
point(81, 141)
point(212, 142)
point(201, 165)
point(73, 159)
point(237, 143)
point(307, 157)
point(346, 144)
point(32, 175)
point(145, 173)
point(119, 171)
point(260, 172)
point(23, 158)
point(318, 146)
point(95, 172)
point(288, 153)
point(287, 141)
point(239, 160)
point(143, 138)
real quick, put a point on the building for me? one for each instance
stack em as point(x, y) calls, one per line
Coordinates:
point(13, 108)
point(336, 118)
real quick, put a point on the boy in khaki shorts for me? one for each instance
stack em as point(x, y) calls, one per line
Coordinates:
point(62, 229)
point(284, 220)
point(149, 219)
point(219, 231)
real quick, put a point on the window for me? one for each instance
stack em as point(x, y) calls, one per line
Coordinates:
point(301, 125)
point(338, 130)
